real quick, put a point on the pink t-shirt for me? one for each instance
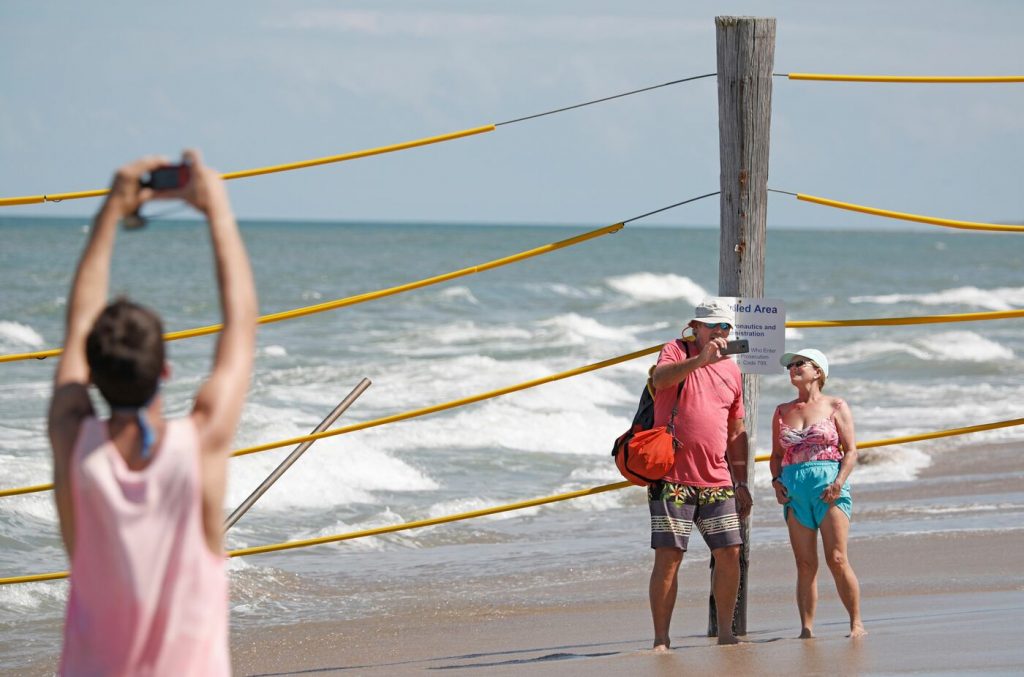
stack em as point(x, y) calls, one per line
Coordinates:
point(147, 595)
point(711, 397)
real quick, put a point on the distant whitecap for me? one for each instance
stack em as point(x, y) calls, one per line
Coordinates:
point(1003, 298)
point(17, 333)
point(648, 287)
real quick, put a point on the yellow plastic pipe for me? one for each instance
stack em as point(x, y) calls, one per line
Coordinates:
point(949, 223)
point(245, 173)
point(361, 298)
point(289, 545)
point(920, 79)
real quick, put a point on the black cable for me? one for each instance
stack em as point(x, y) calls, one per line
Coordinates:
point(784, 192)
point(692, 199)
point(607, 98)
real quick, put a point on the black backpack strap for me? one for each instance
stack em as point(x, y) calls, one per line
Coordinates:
point(671, 427)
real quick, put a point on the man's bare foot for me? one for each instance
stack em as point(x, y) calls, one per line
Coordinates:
point(662, 645)
point(857, 630)
point(727, 639)
point(806, 633)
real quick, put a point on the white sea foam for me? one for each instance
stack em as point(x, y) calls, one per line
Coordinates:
point(608, 500)
point(273, 351)
point(1003, 298)
point(30, 597)
point(385, 518)
point(465, 332)
point(575, 329)
point(459, 293)
point(563, 417)
point(652, 287)
point(950, 346)
point(15, 334)
point(336, 471)
point(470, 504)
point(565, 290)
point(897, 463)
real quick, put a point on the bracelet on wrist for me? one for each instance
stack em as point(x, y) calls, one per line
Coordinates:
point(737, 485)
point(776, 479)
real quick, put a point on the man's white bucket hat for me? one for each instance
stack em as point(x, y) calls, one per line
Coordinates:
point(713, 310)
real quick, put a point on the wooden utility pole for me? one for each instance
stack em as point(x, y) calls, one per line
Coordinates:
point(746, 57)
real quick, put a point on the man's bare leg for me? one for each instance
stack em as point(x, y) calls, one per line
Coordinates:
point(835, 529)
point(726, 587)
point(805, 550)
point(663, 588)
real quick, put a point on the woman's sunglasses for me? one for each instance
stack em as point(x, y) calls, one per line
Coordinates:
point(796, 364)
point(724, 326)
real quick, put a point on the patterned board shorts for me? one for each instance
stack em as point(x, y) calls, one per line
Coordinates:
point(675, 508)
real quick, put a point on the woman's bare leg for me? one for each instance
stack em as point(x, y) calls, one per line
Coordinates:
point(805, 549)
point(835, 530)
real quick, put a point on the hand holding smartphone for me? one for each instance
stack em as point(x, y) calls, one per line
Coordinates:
point(735, 347)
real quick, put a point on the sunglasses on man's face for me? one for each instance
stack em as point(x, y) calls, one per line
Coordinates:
point(796, 364)
point(724, 326)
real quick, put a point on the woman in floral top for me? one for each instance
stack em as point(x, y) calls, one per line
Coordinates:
point(813, 454)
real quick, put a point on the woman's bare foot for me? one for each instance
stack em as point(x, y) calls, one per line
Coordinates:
point(857, 630)
point(662, 645)
point(806, 633)
point(727, 639)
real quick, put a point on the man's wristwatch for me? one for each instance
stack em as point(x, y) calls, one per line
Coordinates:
point(739, 484)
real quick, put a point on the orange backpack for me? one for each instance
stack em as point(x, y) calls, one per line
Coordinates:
point(645, 454)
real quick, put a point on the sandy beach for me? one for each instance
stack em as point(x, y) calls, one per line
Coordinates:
point(942, 600)
point(933, 603)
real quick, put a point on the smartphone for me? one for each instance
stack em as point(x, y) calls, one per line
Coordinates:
point(735, 347)
point(168, 177)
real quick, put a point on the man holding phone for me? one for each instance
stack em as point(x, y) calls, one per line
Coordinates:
point(707, 486)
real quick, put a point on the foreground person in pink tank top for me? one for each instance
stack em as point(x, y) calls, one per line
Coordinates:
point(139, 497)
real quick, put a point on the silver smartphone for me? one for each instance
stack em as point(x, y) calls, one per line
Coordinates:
point(735, 347)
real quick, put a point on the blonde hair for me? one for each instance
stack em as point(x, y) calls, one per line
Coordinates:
point(821, 372)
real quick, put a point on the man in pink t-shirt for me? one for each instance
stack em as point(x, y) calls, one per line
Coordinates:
point(707, 486)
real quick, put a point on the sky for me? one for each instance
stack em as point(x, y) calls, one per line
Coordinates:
point(86, 87)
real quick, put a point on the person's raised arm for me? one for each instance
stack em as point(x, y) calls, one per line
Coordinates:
point(218, 405)
point(671, 373)
point(88, 296)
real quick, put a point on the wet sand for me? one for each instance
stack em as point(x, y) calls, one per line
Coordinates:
point(942, 602)
point(932, 604)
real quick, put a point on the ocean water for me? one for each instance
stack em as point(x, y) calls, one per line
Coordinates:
point(594, 301)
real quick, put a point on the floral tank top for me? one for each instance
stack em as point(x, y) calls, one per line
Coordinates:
point(818, 442)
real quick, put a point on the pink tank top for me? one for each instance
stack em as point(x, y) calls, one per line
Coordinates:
point(147, 595)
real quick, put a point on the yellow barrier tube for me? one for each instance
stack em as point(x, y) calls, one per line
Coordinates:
point(948, 223)
point(361, 298)
point(940, 79)
point(289, 545)
point(415, 413)
point(923, 319)
point(256, 550)
point(794, 324)
point(245, 173)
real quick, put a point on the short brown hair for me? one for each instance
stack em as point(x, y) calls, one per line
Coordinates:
point(125, 351)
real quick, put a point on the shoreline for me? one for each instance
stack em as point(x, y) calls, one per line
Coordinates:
point(952, 579)
point(910, 614)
